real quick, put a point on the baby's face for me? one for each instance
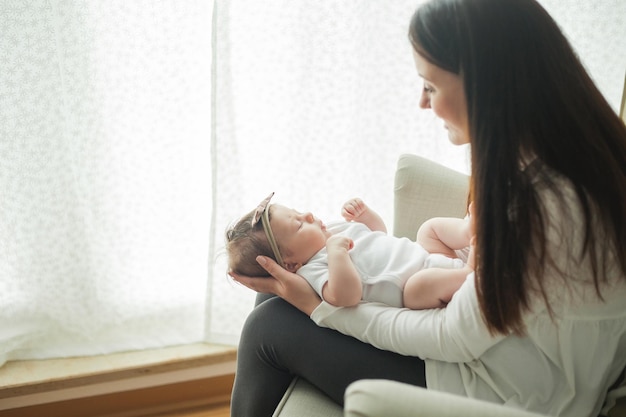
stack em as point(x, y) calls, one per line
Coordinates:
point(299, 235)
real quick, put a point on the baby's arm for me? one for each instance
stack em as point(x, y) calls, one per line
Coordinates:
point(356, 210)
point(343, 288)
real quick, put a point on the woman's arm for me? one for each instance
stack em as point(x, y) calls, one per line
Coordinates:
point(456, 333)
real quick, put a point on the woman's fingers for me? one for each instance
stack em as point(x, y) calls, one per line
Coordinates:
point(291, 287)
point(268, 285)
point(272, 267)
point(259, 284)
point(287, 285)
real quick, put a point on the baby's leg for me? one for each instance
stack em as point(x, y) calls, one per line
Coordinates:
point(433, 287)
point(437, 260)
point(444, 235)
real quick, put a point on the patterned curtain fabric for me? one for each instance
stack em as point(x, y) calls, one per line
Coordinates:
point(132, 132)
point(105, 175)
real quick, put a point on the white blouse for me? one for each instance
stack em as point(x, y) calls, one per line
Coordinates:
point(562, 367)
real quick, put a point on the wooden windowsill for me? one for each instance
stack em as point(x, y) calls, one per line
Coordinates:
point(25, 383)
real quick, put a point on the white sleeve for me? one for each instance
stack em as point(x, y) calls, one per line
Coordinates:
point(456, 333)
point(316, 274)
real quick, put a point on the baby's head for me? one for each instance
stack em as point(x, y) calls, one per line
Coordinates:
point(244, 242)
point(289, 237)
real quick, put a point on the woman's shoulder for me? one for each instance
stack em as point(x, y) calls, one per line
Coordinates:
point(557, 193)
point(544, 177)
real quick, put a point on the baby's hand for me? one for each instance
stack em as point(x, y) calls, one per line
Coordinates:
point(338, 242)
point(353, 209)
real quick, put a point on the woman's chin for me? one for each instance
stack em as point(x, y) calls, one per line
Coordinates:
point(456, 138)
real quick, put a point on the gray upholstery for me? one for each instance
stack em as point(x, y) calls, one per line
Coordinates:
point(424, 189)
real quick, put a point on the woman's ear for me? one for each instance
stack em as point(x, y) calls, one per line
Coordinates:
point(292, 266)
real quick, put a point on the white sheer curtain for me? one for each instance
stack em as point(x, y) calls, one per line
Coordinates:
point(132, 132)
point(104, 175)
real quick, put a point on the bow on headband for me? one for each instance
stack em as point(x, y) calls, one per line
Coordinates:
point(262, 213)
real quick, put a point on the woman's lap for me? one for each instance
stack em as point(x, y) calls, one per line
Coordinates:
point(278, 342)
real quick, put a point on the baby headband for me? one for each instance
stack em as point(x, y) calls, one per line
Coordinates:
point(263, 214)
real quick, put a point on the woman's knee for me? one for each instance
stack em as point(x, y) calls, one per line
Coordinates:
point(256, 325)
point(270, 323)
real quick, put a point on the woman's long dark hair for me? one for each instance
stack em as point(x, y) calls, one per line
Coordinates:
point(528, 96)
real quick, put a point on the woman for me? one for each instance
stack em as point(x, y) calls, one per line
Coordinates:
point(541, 325)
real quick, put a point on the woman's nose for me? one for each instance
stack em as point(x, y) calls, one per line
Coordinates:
point(424, 100)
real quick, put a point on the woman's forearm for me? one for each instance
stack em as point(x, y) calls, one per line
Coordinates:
point(456, 333)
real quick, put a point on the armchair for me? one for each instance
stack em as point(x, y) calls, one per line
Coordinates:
point(422, 189)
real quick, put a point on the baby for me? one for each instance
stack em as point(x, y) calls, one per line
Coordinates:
point(354, 260)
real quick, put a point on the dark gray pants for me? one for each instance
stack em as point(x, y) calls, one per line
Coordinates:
point(279, 342)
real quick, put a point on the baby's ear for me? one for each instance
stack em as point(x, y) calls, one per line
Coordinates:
point(292, 266)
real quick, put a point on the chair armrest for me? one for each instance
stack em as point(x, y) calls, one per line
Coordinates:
point(304, 400)
point(377, 397)
point(424, 189)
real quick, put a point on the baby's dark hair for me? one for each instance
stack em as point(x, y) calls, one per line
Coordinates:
point(244, 242)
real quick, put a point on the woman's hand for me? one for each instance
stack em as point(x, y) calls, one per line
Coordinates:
point(287, 285)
